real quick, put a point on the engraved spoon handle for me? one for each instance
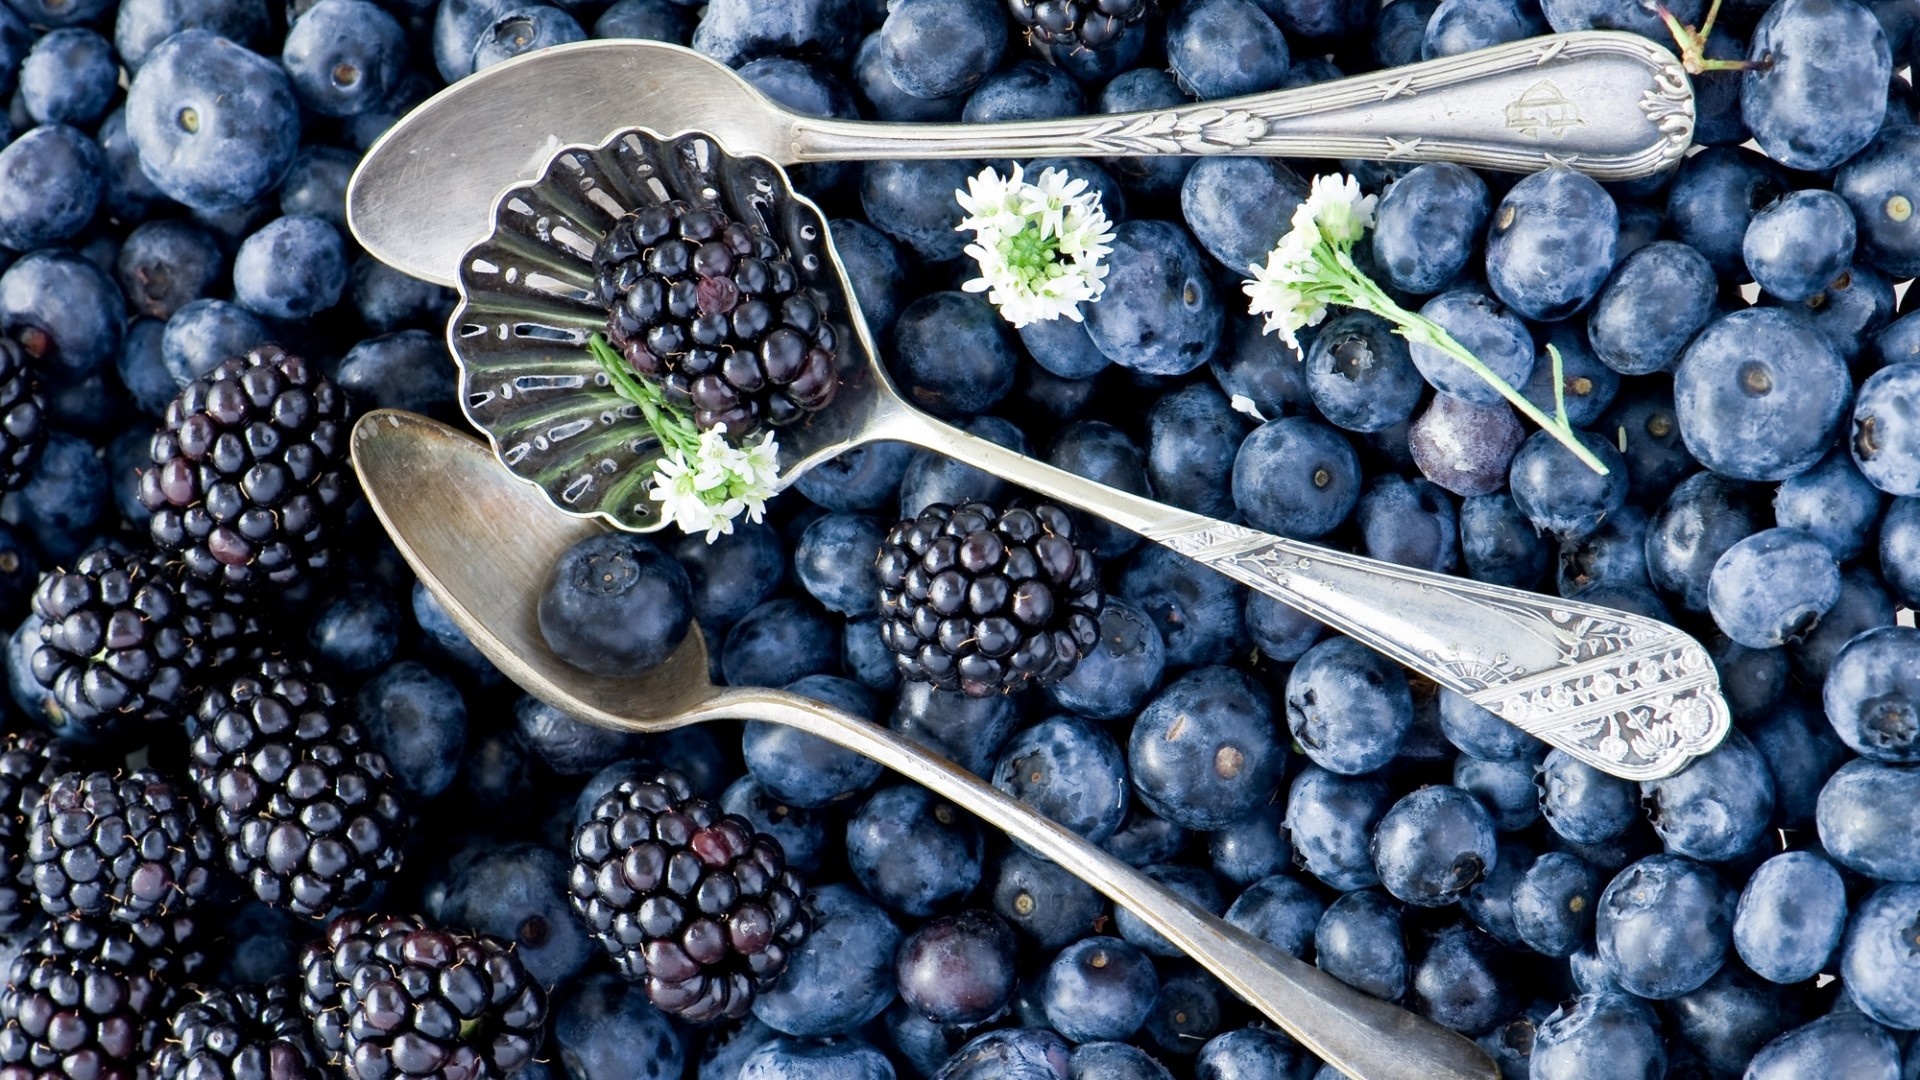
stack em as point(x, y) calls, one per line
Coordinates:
point(1361, 1035)
point(1628, 695)
point(1613, 105)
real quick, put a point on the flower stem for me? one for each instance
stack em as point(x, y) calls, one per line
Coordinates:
point(673, 430)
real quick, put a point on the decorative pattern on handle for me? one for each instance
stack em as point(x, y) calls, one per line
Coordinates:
point(1176, 133)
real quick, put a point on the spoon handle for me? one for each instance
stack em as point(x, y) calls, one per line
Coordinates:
point(1613, 105)
point(1362, 1036)
point(1628, 695)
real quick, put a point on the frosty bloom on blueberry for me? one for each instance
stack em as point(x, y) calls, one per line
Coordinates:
point(1040, 244)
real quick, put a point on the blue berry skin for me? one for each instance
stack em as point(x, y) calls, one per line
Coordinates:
point(779, 642)
point(1202, 753)
point(1587, 386)
point(1433, 845)
point(1479, 733)
point(1802, 750)
point(1878, 962)
point(1459, 26)
point(952, 354)
point(16, 38)
point(567, 745)
point(518, 892)
point(1700, 520)
point(1279, 910)
point(810, 90)
point(1885, 437)
point(935, 478)
point(1115, 1061)
point(1026, 90)
point(409, 369)
point(357, 630)
point(1717, 807)
point(1348, 707)
point(1280, 632)
point(1225, 48)
point(1664, 926)
point(1652, 305)
point(913, 852)
point(1263, 369)
point(1869, 820)
point(732, 575)
point(829, 562)
point(1726, 1020)
point(444, 639)
point(1583, 804)
point(1106, 455)
point(1863, 605)
point(1605, 1034)
point(1360, 373)
point(1191, 882)
point(1838, 1044)
point(1498, 544)
point(294, 268)
point(1714, 196)
point(957, 969)
point(1833, 502)
point(521, 29)
point(836, 1059)
point(66, 312)
point(51, 179)
point(1296, 477)
point(939, 48)
point(1553, 903)
point(1851, 309)
point(1196, 609)
point(1099, 988)
point(1359, 941)
point(1240, 207)
point(70, 77)
point(1566, 16)
point(388, 300)
point(1495, 335)
point(615, 605)
point(215, 124)
point(606, 1027)
point(1071, 771)
point(1193, 435)
point(344, 57)
point(806, 770)
point(1613, 556)
point(802, 833)
point(1790, 917)
point(1427, 225)
point(1489, 904)
point(1818, 88)
point(842, 975)
point(1882, 185)
point(968, 731)
point(140, 25)
point(416, 717)
point(1010, 1054)
point(166, 263)
point(883, 98)
point(866, 658)
point(1900, 550)
point(875, 269)
point(1329, 820)
point(1160, 314)
point(1063, 347)
point(1505, 788)
point(1456, 982)
point(1044, 901)
point(1252, 1053)
point(1254, 847)
point(650, 20)
point(66, 497)
point(867, 477)
point(1561, 494)
point(1772, 587)
point(205, 332)
point(912, 203)
point(1409, 522)
point(1799, 244)
point(1551, 244)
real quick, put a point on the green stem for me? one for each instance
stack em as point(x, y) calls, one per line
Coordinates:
point(674, 431)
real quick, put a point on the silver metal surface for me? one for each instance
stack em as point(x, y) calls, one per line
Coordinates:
point(1614, 105)
point(1628, 695)
point(484, 542)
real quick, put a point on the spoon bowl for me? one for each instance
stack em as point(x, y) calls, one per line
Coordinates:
point(484, 543)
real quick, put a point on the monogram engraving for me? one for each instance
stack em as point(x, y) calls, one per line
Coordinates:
point(1543, 109)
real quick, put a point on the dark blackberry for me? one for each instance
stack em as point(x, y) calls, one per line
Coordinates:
point(304, 806)
point(713, 312)
point(23, 427)
point(81, 1000)
point(248, 1032)
point(127, 639)
point(688, 900)
point(123, 846)
point(29, 761)
point(1077, 24)
point(391, 996)
point(984, 601)
point(250, 478)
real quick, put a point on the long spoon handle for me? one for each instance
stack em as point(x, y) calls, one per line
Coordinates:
point(1362, 1036)
point(1613, 105)
point(1628, 695)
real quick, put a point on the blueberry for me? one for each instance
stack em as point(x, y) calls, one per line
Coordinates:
point(1427, 226)
point(1194, 884)
point(167, 263)
point(1851, 309)
point(1664, 925)
point(957, 969)
point(1833, 502)
point(842, 975)
point(1566, 16)
point(604, 1026)
point(835, 1059)
point(357, 629)
point(1717, 807)
point(1703, 517)
point(1878, 962)
point(1014, 1054)
point(1432, 846)
point(1456, 981)
point(1505, 788)
point(1714, 196)
point(344, 56)
point(650, 20)
point(294, 268)
point(1044, 901)
point(1115, 1061)
point(50, 182)
point(1459, 26)
point(1613, 556)
point(416, 717)
point(518, 892)
point(1863, 819)
point(1560, 493)
point(1279, 910)
point(409, 369)
point(1551, 244)
point(1863, 605)
point(1652, 305)
point(1225, 48)
point(1240, 207)
point(521, 29)
point(912, 851)
point(1348, 707)
point(1799, 244)
point(66, 497)
point(70, 77)
point(1202, 753)
point(205, 332)
point(1071, 771)
point(828, 562)
point(967, 730)
point(1106, 455)
point(801, 833)
point(938, 48)
point(1884, 436)
point(1465, 448)
point(142, 24)
point(1296, 477)
point(1838, 1044)
point(1099, 988)
point(1026, 90)
point(733, 574)
point(567, 745)
point(953, 355)
point(1480, 733)
point(912, 202)
point(803, 769)
point(1583, 804)
point(1900, 549)
point(1193, 434)
point(1616, 1029)
point(1772, 587)
point(884, 98)
point(1495, 336)
point(1160, 313)
point(1553, 903)
point(778, 642)
point(935, 478)
point(1196, 609)
point(615, 605)
point(1252, 1053)
point(1790, 917)
point(215, 124)
point(388, 300)
point(1360, 374)
point(1360, 942)
point(1645, 421)
point(1879, 184)
point(1330, 819)
point(1817, 90)
point(1281, 633)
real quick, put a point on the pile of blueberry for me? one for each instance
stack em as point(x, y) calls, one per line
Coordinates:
point(265, 811)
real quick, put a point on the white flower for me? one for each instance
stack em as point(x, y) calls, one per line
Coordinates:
point(719, 483)
point(1336, 205)
point(1280, 291)
point(1040, 245)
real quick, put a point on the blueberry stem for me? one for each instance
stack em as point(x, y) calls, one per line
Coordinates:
point(1693, 43)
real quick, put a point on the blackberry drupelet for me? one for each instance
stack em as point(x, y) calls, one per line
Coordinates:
point(120, 846)
point(80, 1000)
point(304, 805)
point(127, 639)
point(29, 761)
point(250, 479)
point(984, 601)
point(690, 901)
point(246, 1032)
point(393, 995)
point(712, 311)
point(1077, 24)
point(23, 427)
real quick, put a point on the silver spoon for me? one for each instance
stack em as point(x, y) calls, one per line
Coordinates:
point(1628, 695)
point(1614, 105)
point(484, 542)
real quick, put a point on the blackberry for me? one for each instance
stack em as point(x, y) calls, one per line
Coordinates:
point(690, 901)
point(237, 1033)
point(250, 479)
point(713, 312)
point(126, 638)
point(120, 846)
point(29, 761)
point(81, 1000)
point(984, 601)
point(1077, 24)
point(23, 427)
point(304, 805)
point(391, 995)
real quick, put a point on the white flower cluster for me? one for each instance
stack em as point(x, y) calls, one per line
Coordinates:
point(1293, 289)
point(1041, 245)
point(718, 483)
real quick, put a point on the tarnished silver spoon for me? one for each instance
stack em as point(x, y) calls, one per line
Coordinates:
point(484, 542)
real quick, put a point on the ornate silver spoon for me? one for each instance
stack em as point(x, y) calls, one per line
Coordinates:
point(1614, 105)
point(1626, 694)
